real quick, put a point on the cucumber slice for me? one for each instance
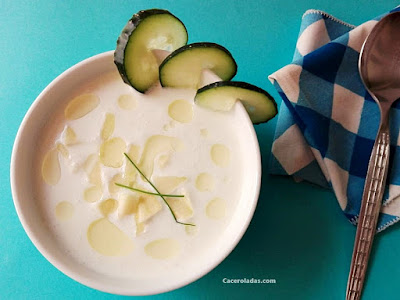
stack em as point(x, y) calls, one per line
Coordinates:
point(222, 96)
point(147, 30)
point(183, 67)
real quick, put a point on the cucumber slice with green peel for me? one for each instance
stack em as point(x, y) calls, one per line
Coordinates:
point(183, 67)
point(222, 96)
point(147, 30)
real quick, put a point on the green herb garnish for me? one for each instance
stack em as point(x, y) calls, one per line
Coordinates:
point(146, 192)
point(158, 193)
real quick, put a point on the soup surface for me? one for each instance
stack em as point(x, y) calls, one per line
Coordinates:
point(192, 154)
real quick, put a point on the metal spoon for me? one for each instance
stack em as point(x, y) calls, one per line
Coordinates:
point(379, 68)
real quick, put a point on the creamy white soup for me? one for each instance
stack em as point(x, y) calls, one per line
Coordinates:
point(183, 149)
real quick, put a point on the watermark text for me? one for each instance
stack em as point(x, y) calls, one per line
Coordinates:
point(249, 280)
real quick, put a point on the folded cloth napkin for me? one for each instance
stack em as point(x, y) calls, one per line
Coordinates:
point(328, 122)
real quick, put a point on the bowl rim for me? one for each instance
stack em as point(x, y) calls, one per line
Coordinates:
point(88, 281)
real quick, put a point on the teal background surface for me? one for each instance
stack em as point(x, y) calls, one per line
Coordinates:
point(298, 235)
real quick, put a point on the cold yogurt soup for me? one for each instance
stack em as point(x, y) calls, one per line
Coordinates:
point(183, 149)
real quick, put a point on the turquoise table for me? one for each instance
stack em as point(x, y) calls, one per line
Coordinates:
point(298, 235)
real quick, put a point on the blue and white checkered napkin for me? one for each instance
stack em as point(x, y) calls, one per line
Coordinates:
point(327, 121)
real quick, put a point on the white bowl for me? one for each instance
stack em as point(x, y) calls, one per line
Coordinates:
point(22, 185)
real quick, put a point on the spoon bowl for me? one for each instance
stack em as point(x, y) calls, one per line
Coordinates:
point(379, 63)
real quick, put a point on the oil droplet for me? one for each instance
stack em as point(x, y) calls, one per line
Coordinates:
point(220, 155)
point(181, 111)
point(112, 152)
point(80, 106)
point(155, 145)
point(127, 102)
point(216, 208)
point(205, 182)
point(204, 132)
point(64, 211)
point(130, 171)
point(92, 194)
point(163, 248)
point(107, 239)
point(51, 171)
point(108, 206)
